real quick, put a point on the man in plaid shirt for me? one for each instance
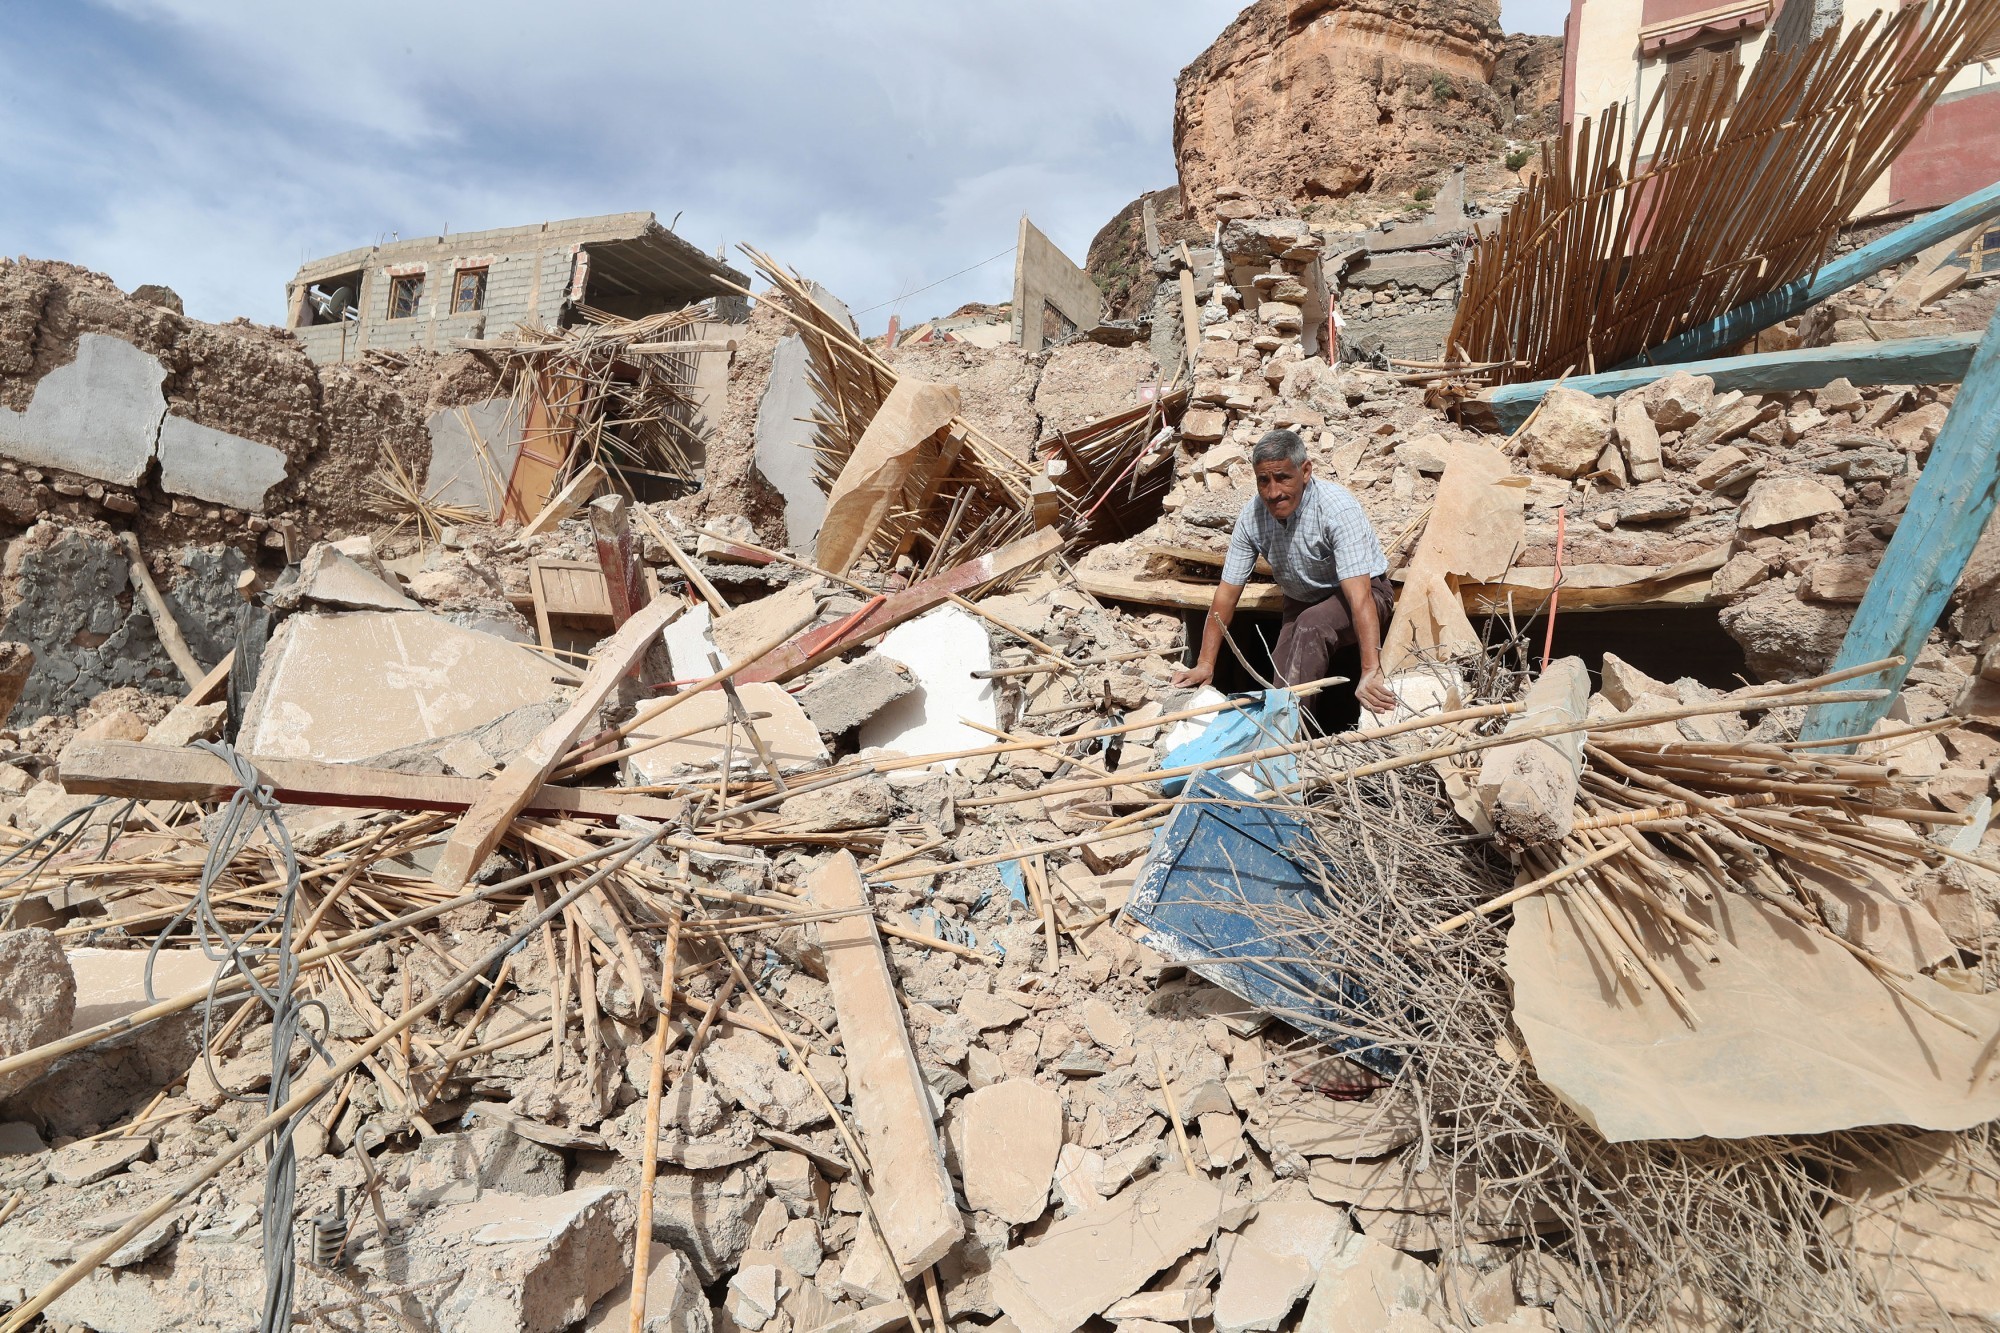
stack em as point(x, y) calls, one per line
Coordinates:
point(1326, 560)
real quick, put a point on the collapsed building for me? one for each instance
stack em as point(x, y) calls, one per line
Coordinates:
point(740, 861)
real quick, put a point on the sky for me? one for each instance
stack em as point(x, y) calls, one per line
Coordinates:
point(882, 147)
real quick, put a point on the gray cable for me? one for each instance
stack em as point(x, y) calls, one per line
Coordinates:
point(252, 809)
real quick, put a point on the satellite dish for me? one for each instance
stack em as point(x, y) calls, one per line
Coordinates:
point(333, 305)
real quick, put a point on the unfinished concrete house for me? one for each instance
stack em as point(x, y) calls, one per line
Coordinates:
point(431, 291)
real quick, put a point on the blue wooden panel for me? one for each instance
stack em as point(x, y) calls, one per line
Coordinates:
point(1225, 893)
point(1752, 317)
point(1940, 360)
point(1948, 510)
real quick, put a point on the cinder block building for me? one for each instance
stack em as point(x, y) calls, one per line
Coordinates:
point(430, 291)
point(1622, 50)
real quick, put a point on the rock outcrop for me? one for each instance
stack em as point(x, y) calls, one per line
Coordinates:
point(1318, 99)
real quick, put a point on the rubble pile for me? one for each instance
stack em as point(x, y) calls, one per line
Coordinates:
point(592, 844)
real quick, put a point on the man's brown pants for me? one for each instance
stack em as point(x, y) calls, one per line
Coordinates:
point(1313, 632)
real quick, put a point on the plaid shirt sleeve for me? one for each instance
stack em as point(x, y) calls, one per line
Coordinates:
point(1357, 550)
point(1242, 557)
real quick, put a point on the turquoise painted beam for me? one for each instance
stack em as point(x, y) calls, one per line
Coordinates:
point(1939, 360)
point(1837, 275)
point(1947, 511)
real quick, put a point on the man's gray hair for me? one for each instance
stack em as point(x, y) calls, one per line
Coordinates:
point(1279, 445)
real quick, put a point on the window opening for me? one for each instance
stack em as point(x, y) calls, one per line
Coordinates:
point(404, 296)
point(469, 291)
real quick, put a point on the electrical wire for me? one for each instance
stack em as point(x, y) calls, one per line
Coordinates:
point(252, 809)
point(897, 300)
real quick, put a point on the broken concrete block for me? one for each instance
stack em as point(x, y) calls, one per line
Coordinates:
point(689, 644)
point(489, 1156)
point(1529, 788)
point(1269, 1266)
point(1712, 469)
point(1625, 685)
point(1204, 425)
point(942, 649)
point(787, 733)
point(1568, 434)
point(1844, 578)
point(1838, 396)
point(1777, 501)
point(892, 1107)
point(186, 724)
point(745, 628)
point(86, 1163)
point(1677, 401)
point(1174, 1307)
point(866, 802)
point(1639, 438)
point(1738, 575)
point(1009, 1137)
point(1364, 1285)
point(840, 702)
point(753, 1294)
point(1084, 1264)
point(707, 1215)
point(330, 577)
point(1107, 854)
point(341, 688)
point(529, 1265)
point(745, 1066)
point(675, 1302)
point(37, 997)
point(986, 1011)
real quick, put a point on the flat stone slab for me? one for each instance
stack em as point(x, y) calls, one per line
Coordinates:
point(341, 688)
point(787, 733)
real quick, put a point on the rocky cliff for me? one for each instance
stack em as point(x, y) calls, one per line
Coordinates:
point(1321, 99)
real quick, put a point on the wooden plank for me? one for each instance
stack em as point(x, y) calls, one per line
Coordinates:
point(689, 570)
point(576, 492)
point(1179, 594)
point(617, 559)
point(545, 443)
point(1190, 314)
point(486, 822)
point(1954, 497)
point(908, 1183)
point(1751, 318)
point(174, 773)
point(803, 654)
point(1585, 587)
point(1941, 360)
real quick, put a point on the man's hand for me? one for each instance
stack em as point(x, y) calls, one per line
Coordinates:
point(1193, 676)
point(1374, 694)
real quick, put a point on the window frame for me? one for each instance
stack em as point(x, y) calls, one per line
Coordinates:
point(413, 283)
point(458, 277)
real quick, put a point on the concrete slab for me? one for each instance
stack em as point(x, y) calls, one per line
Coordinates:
point(1009, 1136)
point(470, 466)
point(689, 643)
point(942, 649)
point(340, 688)
point(788, 733)
point(332, 577)
point(111, 983)
point(99, 415)
point(216, 466)
point(783, 437)
point(754, 624)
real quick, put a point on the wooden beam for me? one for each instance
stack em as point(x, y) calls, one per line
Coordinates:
point(1954, 497)
point(164, 625)
point(523, 775)
point(808, 651)
point(572, 497)
point(1837, 275)
point(1941, 360)
point(616, 557)
point(1585, 588)
point(174, 773)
